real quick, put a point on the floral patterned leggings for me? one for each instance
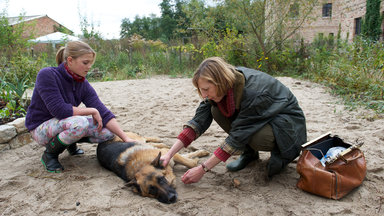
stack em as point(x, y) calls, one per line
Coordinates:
point(70, 130)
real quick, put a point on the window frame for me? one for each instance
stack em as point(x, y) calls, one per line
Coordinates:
point(327, 10)
point(357, 29)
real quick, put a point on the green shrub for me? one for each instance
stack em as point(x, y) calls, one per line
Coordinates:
point(354, 71)
point(13, 100)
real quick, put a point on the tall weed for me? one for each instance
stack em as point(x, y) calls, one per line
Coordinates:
point(353, 71)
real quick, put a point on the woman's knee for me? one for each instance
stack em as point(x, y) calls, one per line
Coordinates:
point(109, 135)
point(78, 123)
point(220, 119)
point(263, 140)
point(103, 136)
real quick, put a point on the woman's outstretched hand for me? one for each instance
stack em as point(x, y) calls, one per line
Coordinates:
point(193, 175)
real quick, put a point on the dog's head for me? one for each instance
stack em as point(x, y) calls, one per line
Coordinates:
point(150, 181)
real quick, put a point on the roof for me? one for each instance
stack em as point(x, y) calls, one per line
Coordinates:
point(54, 38)
point(20, 19)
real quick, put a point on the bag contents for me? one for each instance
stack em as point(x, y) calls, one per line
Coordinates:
point(332, 152)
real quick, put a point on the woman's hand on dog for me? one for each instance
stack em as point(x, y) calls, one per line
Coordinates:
point(164, 160)
point(193, 175)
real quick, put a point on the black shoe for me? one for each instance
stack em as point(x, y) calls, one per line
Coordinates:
point(276, 163)
point(274, 166)
point(51, 162)
point(73, 150)
point(50, 158)
point(242, 161)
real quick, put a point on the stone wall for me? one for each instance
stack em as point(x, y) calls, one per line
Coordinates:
point(14, 134)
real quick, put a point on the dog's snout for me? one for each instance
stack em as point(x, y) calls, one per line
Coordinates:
point(172, 197)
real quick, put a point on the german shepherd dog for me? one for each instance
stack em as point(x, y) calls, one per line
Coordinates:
point(139, 165)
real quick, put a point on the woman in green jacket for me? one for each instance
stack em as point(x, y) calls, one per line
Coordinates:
point(257, 111)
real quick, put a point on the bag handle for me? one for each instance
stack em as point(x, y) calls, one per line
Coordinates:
point(343, 153)
point(315, 149)
point(350, 159)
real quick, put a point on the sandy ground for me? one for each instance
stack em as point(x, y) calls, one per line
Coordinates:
point(158, 107)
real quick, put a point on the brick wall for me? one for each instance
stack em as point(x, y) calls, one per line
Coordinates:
point(344, 13)
point(40, 26)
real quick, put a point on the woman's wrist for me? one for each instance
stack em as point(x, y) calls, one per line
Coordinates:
point(93, 111)
point(210, 163)
point(168, 155)
point(205, 168)
point(83, 111)
point(202, 169)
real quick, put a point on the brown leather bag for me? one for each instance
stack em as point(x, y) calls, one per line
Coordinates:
point(339, 176)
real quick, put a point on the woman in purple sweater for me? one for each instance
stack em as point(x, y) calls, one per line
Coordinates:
point(54, 117)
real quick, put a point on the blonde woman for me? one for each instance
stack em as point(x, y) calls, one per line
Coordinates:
point(54, 117)
point(257, 111)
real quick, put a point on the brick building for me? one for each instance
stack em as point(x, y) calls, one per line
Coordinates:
point(330, 15)
point(37, 26)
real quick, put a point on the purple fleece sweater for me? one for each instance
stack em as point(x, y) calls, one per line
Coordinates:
point(55, 94)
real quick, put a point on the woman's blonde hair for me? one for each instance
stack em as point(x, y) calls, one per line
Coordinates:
point(74, 49)
point(216, 71)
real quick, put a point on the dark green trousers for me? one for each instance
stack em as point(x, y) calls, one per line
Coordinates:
point(262, 140)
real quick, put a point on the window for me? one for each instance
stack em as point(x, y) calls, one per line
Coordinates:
point(382, 29)
point(357, 26)
point(327, 10)
point(319, 37)
point(294, 10)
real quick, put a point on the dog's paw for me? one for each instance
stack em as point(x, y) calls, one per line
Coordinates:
point(202, 153)
point(158, 145)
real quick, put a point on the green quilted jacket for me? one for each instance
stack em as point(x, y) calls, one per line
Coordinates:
point(260, 99)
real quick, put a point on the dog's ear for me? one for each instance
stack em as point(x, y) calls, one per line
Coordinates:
point(136, 187)
point(157, 163)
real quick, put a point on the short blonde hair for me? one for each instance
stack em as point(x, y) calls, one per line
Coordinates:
point(216, 71)
point(74, 49)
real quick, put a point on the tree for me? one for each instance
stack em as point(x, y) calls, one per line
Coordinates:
point(266, 25)
point(88, 29)
point(147, 27)
point(168, 22)
point(11, 37)
point(181, 18)
point(201, 19)
point(173, 23)
point(371, 28)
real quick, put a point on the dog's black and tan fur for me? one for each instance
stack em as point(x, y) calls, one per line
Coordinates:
point(139, 165)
